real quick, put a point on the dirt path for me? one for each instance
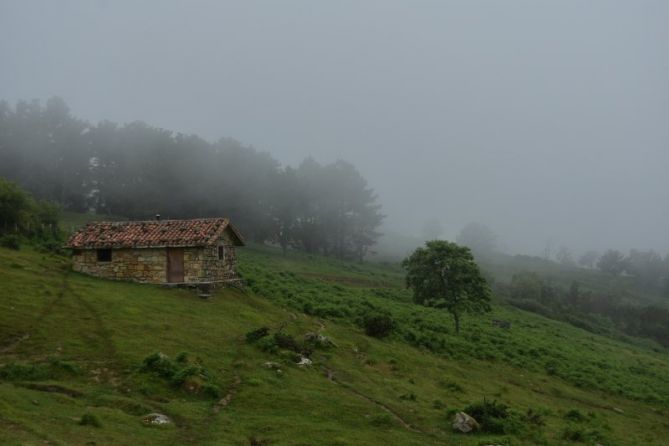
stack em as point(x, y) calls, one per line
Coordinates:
point(43, 313)
point(103, 334)
point(227, 399)
point(331, 375)
point(102, 338)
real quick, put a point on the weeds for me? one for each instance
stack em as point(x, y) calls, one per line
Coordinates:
point(88, 419)
point(181, 374)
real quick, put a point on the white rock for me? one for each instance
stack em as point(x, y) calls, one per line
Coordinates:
point(464, 423)
point(156, 419)
point(304, 361)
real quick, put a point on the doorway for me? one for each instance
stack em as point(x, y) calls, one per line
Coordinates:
point(175, 265)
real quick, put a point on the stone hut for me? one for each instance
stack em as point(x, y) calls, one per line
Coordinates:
point(200, 251)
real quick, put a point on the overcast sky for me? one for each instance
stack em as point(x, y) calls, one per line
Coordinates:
point(546, 120)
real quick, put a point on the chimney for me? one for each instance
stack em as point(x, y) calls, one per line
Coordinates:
point(157, 217)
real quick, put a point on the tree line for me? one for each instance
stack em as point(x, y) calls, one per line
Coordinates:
point(23, 217)
point(648, 269)
point(136, 170)
point(595, 311)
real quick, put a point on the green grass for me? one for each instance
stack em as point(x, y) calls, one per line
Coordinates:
point(73, 348)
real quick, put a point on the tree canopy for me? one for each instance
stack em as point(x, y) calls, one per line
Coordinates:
point(612, 262)
point(21, 214)
point(444, 275)
point(135, 171)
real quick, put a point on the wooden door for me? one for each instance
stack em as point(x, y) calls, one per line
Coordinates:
point(175, 265)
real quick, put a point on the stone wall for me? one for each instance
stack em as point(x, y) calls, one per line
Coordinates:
point(216, 269)
point(149, 265)
point(139, 265)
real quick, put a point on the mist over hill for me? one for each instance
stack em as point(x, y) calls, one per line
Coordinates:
point(544, 120)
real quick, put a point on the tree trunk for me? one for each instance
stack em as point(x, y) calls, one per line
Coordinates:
point(456, 317)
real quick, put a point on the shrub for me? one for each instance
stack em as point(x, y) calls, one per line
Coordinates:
point(438, 404)
point(534, 417)
point(286, 341)
point(268, 345)
point(551, 367)
point(88, 419)
point(211, 390)
point(182, 375)
point(378, 324)
point(37, 372)
point(66, 366)
point(575, 415)
point(30, 372)
point(160, 364)
point(574, 434)
point(491, 416)
point(189, 376)
point(10, 241)
point(52, 245)
point(253, 336)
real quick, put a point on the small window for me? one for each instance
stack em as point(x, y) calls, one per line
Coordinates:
point(104, 255)
point(221, 252)
point(76, 252)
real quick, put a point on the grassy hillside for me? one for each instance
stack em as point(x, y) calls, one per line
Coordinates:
point(72, 346)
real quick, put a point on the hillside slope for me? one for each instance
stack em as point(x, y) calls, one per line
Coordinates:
point(72, 345)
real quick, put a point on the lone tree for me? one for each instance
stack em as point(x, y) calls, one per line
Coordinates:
point(444, 275)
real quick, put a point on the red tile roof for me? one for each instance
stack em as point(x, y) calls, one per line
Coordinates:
point(153, 234)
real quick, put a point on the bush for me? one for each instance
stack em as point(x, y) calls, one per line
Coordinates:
point(578, 434)
point(88, 419)
point(160, 364)
point(21, 372)
point(182, 375)
point(268, 345)
point(37, 372)
point(51, 244)
point(491, 416)
point(534, 417)
point(10, 241)
point(378, 324)
point(286, 342)
point(575, 415)
point(58, 364)
point(190, 376)
point(212, 390)
point(253, 336)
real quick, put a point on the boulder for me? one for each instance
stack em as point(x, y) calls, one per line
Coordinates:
point(304, 361)
point(156, 419)
point(319, 340)
point(464, 423)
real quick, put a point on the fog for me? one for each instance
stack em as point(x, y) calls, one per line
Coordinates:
point(546, 120)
